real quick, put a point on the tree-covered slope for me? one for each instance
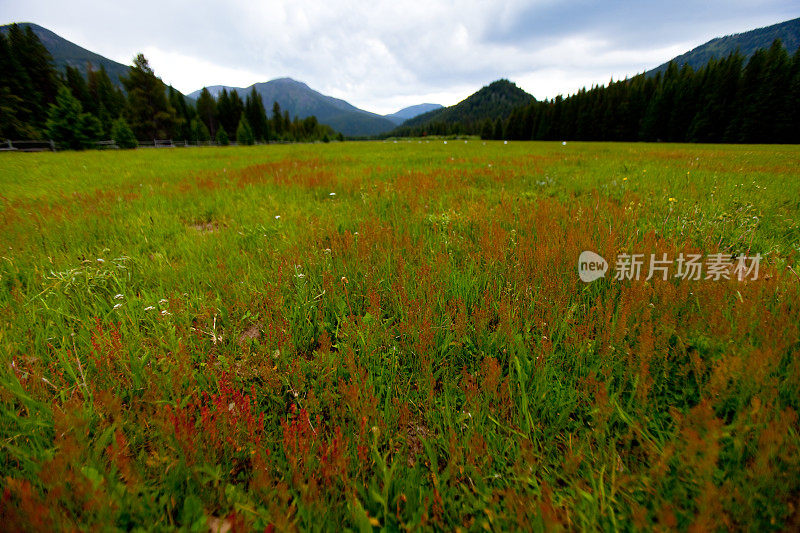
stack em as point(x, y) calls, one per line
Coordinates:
point(66, 53)
point(495, 101)
point(302, 101)
point(746, 43)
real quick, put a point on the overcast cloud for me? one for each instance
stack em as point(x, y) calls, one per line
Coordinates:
point(382, 56)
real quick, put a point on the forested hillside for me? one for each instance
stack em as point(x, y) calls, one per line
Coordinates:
point(745, 43)
point(727, 100)
point(724, 101)
point(493, 102)
point(76, 108)
point(68, 54)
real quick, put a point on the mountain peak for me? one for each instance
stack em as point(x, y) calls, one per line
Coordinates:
point(492, 101)
point(299, 100)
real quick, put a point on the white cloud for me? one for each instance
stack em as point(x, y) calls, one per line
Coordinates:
point(187, 73)
point(383, 55)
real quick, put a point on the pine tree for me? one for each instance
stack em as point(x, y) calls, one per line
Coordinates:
point(257, 116)
point(13, 111)
point(148, 112)
point(90, 130)
point(27, 71)
point(486, 129)
point(222, 137)
point(104, 92)
point(792, 99)
point(229, 109)
point(74, 80)
point(183, 129)
point(277, 120)
point(207, 111)
point(63, 120)
point(69, 126)
point(237, 108)
point(244, 133)
point(200, 133)
point(40, 81)
point(287, 126)
point(40, 67)
point(123, 135)
point(11, 127)
point(776, 107)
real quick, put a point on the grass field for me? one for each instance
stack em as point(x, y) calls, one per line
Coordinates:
point(395, 336)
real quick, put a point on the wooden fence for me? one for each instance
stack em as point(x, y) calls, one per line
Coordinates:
point(50, 146)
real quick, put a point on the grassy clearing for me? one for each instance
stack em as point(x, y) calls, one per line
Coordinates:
point(394, 335)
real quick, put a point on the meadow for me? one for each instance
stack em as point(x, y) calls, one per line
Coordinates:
point(394, 336)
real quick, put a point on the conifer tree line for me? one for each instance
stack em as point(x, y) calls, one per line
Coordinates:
point(37, 102)
point(728, 100)
point(228, 116)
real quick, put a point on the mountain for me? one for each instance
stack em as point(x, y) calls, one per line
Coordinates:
point(66, 53)
point(411, 112)
point(494, 101)
point(300, 100)
point(747, 43)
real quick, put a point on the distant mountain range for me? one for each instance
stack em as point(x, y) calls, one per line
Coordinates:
point(495, 101)
point(411, 112)
point(66, 53)
point(747, 43)
point(293, 96)
point(300, 100)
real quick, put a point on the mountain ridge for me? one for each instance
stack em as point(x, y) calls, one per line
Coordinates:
point(398, 117)
point(66, 53)
point(491, 102)
point(302, 101)
point(746, 42)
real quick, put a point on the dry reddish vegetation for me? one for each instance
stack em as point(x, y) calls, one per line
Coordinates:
point(210, 339)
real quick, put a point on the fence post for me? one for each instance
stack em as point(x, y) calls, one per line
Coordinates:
point(10, 146)
point(52, 145)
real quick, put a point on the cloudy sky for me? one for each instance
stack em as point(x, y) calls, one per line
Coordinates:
point(384, 55)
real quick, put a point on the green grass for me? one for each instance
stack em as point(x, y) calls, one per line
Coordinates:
point(203, 337)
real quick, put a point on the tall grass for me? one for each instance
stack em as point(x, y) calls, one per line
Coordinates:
point(394, 336)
